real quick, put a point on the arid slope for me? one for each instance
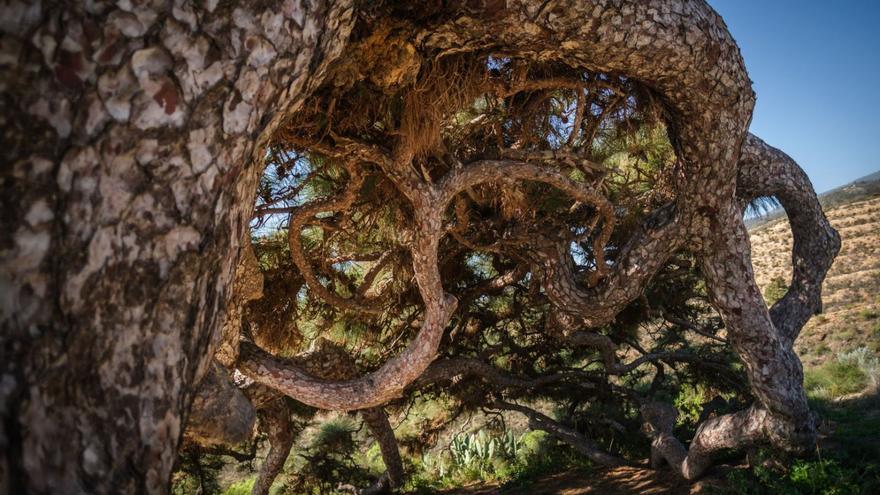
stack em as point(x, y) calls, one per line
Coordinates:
point(851, 293)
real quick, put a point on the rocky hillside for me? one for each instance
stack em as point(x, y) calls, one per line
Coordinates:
point(851, 293)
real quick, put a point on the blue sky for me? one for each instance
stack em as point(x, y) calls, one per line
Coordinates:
point(816, 71)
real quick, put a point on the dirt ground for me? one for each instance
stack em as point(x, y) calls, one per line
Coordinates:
point(617, 481)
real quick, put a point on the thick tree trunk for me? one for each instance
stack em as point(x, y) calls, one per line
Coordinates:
point(763, 339)
point(131, 142)
point(767, 171)
point(132, 136)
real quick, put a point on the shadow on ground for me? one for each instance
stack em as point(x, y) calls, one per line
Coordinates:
point(617, 481)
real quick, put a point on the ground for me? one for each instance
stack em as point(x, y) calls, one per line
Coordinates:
point(617, 481)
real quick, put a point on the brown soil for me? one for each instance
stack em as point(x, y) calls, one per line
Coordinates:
point(617, 481)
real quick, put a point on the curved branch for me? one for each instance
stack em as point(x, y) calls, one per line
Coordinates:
point(643, 255)
point(767, 171)
point(582, 444)
point(459, 368)
point(495, 170)
point(730, 431)
point(373, 389)
point(390, 380)
point(275, 419)
point(301, 216)
point(774, 370)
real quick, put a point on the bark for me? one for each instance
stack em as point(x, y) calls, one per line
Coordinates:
point(132, 138)
point(275, 421)
point(767, 171)
point(570, 436)
point(460, 368)
point(730, 431)
point(683, 49)
point(133, 135)
point(763, 339)
point(700, 75)
point(300, 217)
point(221, 414)
point(327, 361)
point(380, 428)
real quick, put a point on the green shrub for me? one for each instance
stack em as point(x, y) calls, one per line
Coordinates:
point(480, 456)
point(869, 314)
point(689, 402)
point(805, 477)
point(775, 290)
point(835, 379)
point(851, 372)
point(243, 487)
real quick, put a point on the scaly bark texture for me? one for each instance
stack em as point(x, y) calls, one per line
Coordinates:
point(380, 428)
point(765, 171)
point(132, 135)
point(762, 338)
point(221, 414)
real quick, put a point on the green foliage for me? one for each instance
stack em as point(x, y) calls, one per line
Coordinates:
point(196, 473)
point(242, 487)
point(850, 373)
point(329, 458)
point(513, 459)
point(775, 290)
point(335, 435)
point(481, 456)
point(689, 403)
point(817, 477)
point(869, 314)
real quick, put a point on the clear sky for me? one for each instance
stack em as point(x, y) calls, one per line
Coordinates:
point(816, 70)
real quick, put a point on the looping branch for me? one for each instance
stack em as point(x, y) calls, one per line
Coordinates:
point(767, 171)
point(730, 431)
point(658, 238)
point(492, 170)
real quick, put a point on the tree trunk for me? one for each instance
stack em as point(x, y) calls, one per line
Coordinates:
point(275, 419)
point(132, 139)
point(132, 142)
point(380, 428)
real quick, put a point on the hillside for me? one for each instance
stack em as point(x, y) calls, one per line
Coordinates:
point(860, 189)
point(851, 292)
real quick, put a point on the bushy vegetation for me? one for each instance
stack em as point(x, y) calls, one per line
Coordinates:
point(851, 372)
point(775, 290)
point(850, 464)
point(803, 477)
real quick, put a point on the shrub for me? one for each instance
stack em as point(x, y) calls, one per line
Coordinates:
point(689, 403)
point(805, 477)
point(851, 372)
point(869, 314)
point(775, 290)
point(483, 456)
point(243, 487)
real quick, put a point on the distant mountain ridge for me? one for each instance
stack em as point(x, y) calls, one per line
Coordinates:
point(861, 188)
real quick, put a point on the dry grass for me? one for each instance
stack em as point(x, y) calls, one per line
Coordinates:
point(851, 292)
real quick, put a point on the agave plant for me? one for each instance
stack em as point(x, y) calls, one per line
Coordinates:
point(474, 452)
